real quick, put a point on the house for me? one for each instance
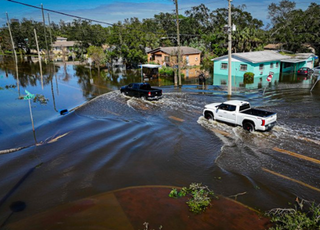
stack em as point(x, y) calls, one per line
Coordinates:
point(62, 47)
point(260, 63)
point(168, 56)
point(297, 61)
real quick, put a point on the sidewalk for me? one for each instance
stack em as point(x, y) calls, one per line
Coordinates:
point(130, 208)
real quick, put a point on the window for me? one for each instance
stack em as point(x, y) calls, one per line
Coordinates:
point(232, 108)
point(145, 87)
point(223, 107)
point(243, 67)
point(271, 65)
point(244, 107)
point(224, 65)
point(277, 65)
point(227, 107)
point(135, 86)
point(261, 66)
point(167, 59)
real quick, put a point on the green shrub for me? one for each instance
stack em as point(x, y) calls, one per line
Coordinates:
point(200, 196)
point(301, 217)
point(248, 78)
point(166, 71)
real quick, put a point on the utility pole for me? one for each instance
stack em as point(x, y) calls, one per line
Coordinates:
point(14, 52)
point(229, 50)
point(45, 33)
point(39, 56)
point(178, 41)
point(50, 30)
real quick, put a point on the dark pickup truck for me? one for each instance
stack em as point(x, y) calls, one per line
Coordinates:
point(142, 90)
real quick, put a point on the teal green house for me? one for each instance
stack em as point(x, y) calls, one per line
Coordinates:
point(261, 64)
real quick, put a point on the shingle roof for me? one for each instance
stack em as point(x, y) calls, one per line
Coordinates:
point(173, 50)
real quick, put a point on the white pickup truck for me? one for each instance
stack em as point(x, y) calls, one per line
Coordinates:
point(240, 113)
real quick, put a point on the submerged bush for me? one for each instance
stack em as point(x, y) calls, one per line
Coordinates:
point(200, 196)
point(248, 78)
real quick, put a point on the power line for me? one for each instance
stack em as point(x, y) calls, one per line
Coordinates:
point(83, 18)
point(57, 12)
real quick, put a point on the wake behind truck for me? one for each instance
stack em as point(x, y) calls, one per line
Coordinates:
point(240, 113)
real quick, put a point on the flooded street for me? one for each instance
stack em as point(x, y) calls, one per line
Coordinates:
point(108, 142)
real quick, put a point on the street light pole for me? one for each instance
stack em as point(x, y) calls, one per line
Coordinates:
point(229, 50)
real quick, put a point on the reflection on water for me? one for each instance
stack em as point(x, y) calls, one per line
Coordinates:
point(108, 141)
point(261, 81)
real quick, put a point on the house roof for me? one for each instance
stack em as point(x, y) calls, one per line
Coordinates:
point(257, 56)
point(63, 44)
point(273, 46)
point(173, 50)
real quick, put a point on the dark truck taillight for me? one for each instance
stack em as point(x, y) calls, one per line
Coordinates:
point(149, 94)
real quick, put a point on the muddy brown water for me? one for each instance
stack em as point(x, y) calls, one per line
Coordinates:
point(108, 142)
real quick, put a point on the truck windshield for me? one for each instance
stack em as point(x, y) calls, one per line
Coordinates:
point(244, 107)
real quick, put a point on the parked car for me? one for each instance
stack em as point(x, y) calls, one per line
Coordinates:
point(142, 90)
point(240, 113)
point(316, 70)
point(305, 71)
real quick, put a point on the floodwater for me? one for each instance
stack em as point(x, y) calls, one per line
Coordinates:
point(107, 141)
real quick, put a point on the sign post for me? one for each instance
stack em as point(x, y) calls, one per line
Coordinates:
point(269, 79)
point(28, 97)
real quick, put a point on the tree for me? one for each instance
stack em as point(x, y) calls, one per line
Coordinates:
point(296, 28)
point(97, 55)
point(279, 13)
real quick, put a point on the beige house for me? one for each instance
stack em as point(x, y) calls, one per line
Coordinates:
point(61, 47)
point(168, 56)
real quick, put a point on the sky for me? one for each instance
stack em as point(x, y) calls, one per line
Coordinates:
point(112, 11)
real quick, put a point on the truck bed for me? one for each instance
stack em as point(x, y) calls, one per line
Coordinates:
point(258, 112)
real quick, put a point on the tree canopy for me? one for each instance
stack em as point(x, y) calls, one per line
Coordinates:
point(200, 28)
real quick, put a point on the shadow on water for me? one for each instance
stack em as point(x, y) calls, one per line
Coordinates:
point(16, 206)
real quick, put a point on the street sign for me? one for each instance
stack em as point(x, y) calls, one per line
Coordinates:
point(269, 78)
point(28, 96)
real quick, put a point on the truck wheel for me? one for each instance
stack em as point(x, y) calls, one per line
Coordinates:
point(248, 126)
point(209, 115)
